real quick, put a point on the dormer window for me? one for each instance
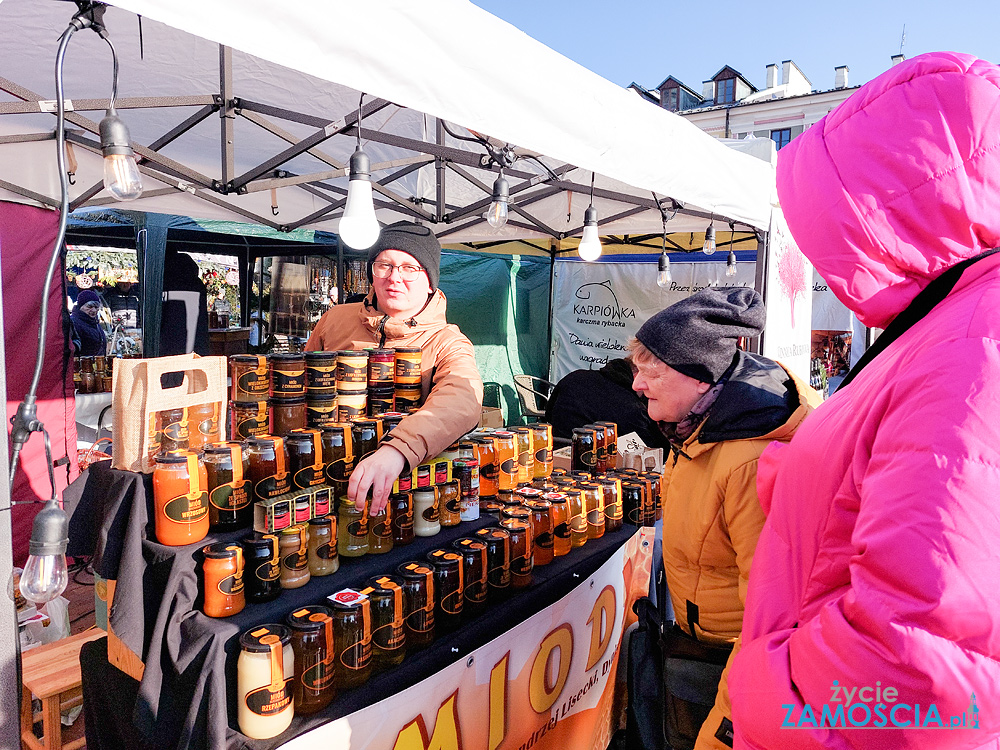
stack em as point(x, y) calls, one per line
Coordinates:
point(725, 91)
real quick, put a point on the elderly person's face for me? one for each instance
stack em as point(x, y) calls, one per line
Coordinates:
point(91, 308)
point(401, 283)
point(670, 394)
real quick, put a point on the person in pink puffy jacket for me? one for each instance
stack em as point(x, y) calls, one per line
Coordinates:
point(873, 610)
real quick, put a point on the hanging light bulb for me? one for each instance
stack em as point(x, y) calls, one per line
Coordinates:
point(590, 243)
point(496, 216)
point(358, 226)
point(121, 173)
point(731, 264)
point(709, 246)
point(45, 576)
point(663, 276)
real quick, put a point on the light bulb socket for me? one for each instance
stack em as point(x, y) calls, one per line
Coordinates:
point(710, 233)
point(664, 262)
point(731, 260)
point(590, 217)
point(361, 165)
point(501, 190)
point(114, 135)
point(49, 531)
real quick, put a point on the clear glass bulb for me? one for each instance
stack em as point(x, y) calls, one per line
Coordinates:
point(731, 264)
point(663, 277)
point(358, 226)
point(44, 578)
point(709, 247)
point(121, 177)
point(496, 216)
point(590, 243)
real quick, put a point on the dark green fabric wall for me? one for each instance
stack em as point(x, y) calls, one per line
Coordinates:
point(501, 303)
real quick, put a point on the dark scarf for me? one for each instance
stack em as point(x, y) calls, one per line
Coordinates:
point(678, 432)
point(92, 338)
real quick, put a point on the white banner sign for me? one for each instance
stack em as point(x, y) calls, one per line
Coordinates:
point(549, 683)
point(598, 307)
point(787, 334)
point(828, 312)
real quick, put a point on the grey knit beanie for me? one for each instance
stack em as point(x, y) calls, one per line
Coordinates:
point(413, 239)
point(698, 335)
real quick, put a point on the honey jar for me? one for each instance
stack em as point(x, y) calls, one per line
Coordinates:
point(407, 366)
point(321, 373)
point(230, 495)
point(249, 378)
point(265, 672)
point(288, 375)
point(418, 600)
point(352, 638)
point(385, 593)
point(448, 587)
point(312, 646)
point(222, 579)
point(180, 494)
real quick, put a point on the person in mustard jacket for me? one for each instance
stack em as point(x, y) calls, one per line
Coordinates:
point(719, 407)
point(406, 309)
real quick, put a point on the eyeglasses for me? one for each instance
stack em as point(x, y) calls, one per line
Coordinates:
point(383, 270)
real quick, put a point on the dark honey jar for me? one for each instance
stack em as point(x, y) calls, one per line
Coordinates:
point(288, 375)
point(418, 600)
point(448, 587)
point(249, 378)
point(521, 551)
point(497, 542)
point(262, 571)
point(584, 449)
point(388, 614)
point(268, 467)
point(474, 564)
point(321, 410)
point(305, 458)
point(364, 434)
point(230, 494)
point(338, 456)
point(287, 414)
point(312, 645)
point(248, 419)
point(401, 517)
point(352, 638)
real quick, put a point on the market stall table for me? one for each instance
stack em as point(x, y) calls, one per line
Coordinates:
point(186, 697)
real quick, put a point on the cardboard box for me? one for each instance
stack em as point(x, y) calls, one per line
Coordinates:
point(563, 458)
point(492, 417)
point(273, 514)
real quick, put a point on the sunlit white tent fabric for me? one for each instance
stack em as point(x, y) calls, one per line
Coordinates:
point(447, 59)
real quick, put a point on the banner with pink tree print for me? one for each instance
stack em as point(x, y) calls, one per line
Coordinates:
point(787, 297)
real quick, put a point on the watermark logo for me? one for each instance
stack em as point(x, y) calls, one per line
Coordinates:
point(875, 706)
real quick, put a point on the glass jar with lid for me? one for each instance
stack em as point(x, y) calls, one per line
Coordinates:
point(323, 558)
point(305, 458)
point(294, 557)
point(497, 542)
point(450, 503)
point(222, 579)
point(449, 589)
point(227, 468)
point(474, 563)
point(268, 467)
point(352, 529)
point(312, 645)
point(180, 495)
point(262, 568)
point(287, 414)
point(418, 600)
point(248, 378)
point(265, 671)
point(388, 633)
point(288, 375)
point(338, 456)
point(352, 638)
point(426, 518)
point(321, 373)
point(401, 517)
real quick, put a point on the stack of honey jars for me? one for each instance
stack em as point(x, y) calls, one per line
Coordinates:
point(381, 387)
point(406, 379)
point(352, 385)
point(92, 374)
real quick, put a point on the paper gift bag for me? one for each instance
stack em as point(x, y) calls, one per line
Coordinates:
point(140, 390)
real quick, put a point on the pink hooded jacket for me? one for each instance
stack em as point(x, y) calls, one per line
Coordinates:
point(876, 581)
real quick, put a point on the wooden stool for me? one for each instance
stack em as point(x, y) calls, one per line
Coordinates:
point(52, 673)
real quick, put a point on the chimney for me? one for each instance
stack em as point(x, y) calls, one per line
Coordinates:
point(772, 76)
point(785, 70)
point(897, 59)
point(840, 80)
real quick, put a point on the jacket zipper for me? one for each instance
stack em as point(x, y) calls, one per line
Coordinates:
point(381, 332)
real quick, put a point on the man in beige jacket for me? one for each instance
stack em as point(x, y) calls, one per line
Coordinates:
point(406, 309)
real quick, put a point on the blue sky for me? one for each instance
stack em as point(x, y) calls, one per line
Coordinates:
point(645, 41)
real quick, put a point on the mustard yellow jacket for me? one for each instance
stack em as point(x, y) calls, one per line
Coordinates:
point(711, 515)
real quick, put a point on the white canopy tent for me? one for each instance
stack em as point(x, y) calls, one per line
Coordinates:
point(241, 110)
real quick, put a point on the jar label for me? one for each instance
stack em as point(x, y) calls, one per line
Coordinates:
point(327, 550)
point(189, 508)
point(544, 540)
point(562, 530)
point(521, 566)
point(337, 471)
point(508, 466)
point(453, 505)
point(452, 602)
point(295, 561)
point(209, 427)
point(310, 476)
point(382, 529)
point(587, 458)
point(430, 514)
point(265, 702)
point(543, 455)
point(475, 592)
point(358, 528)
point(407, 370)
point(273, 486)
point(232, 496)
point(288, 382)
point(358, 655)
point(489, 472)
point(321, 502)
point(380, 372)
point(390, 636)
point(317, 677)
point(321, 377)
point(231, 584)
point(268, 571)
point(254, 382)
point(176, 431)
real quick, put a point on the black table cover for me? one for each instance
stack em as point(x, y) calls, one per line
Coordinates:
point(187, 696)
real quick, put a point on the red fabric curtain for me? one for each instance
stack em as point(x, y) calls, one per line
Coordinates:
point(27, 235)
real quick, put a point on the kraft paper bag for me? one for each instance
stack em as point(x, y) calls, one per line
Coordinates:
point(138, 393)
